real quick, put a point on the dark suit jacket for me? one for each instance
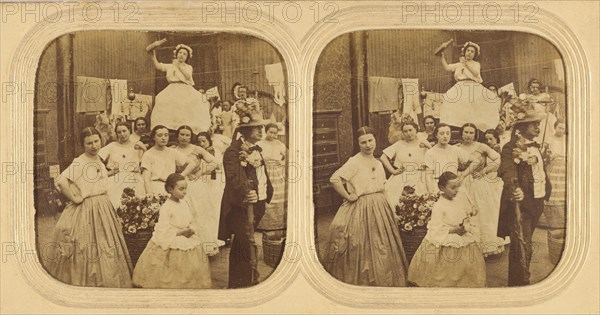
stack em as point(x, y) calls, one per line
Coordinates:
point(238, 181)
point(508, 172)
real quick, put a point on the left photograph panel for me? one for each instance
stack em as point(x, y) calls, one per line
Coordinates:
point(160, 159)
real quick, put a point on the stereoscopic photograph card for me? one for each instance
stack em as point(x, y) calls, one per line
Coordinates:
point(295, 157)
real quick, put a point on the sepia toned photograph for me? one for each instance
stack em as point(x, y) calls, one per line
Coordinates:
point(440, 158)
point(160, 159)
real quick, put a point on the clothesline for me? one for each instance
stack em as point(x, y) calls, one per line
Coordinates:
point(482, 71)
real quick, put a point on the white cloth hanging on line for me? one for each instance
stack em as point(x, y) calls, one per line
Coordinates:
point(276, 79)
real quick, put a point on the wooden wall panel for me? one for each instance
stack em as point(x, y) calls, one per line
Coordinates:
point(332, 89)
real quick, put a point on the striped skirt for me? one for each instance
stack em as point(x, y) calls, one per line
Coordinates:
point(275, 217)
point(556, 207)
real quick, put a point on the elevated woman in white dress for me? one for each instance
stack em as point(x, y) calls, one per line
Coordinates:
point(179, 103)
point(468, 101)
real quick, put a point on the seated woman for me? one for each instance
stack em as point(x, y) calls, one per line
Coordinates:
point(468, 101)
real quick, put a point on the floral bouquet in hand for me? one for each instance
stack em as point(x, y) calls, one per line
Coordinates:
point(250, 155)
point(137, 213)
point(414, 211)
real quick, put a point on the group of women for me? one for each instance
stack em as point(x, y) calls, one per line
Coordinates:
point(364, 245)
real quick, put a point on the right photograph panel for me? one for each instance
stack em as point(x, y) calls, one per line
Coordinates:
point(439, 158)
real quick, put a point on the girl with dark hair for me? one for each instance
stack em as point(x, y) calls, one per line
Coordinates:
point(89, 224)
point(427, 134)
point(160, 161)
point(444, 157)
point(212, 176)
point(555, 209)
point(274, 152)
point(492, 139)
point(449, 255)
point(485, 188)
point(199, 195)
point(408, 156)
point(174, 257)
point(123, 157)
point(468, 100)
point(179, 103)
point(364, 246)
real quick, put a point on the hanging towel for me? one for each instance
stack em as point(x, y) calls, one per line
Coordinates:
point(91, 94)
point(559, 69)
point(276, 79)
point(412, 101)
point(213, 92)
point(383, 94)
point(118, 93)
point(432, 104)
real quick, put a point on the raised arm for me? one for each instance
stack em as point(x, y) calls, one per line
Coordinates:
point(155, 61)
point(445, 64)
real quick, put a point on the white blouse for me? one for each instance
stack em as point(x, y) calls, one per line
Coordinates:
point(447, 214)
point(174, 217)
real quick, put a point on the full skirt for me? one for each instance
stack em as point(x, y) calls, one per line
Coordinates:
point(394, 186)
point(365, 246)
point(275, 217)
point(555, 209)
point(89, 248)
point(445, 266)
point(486, 192)
point(470, 102)
point(123, 180)
point(204, 197)
point(172, 268)
point(180, 104)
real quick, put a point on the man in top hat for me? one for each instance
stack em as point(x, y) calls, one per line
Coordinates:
point(246, 183)
point(526, 186)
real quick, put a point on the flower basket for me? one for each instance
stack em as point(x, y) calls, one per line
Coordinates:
point(414, 212)
point(136, 243)
point(273, 246)
point(556, 244)
point(411, 241)
point(138, 217)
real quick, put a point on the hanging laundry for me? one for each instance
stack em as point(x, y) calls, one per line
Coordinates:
point(412, 101)
point(383, 94)
point(559, 69)
point(118, 93)
point(91, 94)
point(213, 92)
point(432, 104)
point(276, 79)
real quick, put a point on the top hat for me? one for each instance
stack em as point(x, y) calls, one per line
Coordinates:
point(522, 111)
point(250, 113)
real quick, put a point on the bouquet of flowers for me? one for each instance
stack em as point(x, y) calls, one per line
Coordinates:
point(250, 154)
point(414, 211)
point(137, 213)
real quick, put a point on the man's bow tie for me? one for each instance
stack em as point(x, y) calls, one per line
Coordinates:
point(532, 144)
point(255, 148)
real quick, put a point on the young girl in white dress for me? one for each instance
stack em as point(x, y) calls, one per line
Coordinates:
point(174, 257)
point(364, 247)
point(449, 255)
point(179, 103)
point(89, 243)
point(408, 169)
point(274, 153)
point(123, 157)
